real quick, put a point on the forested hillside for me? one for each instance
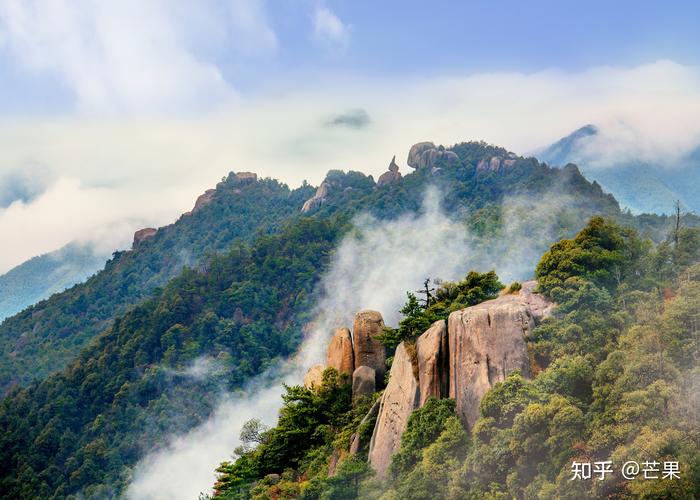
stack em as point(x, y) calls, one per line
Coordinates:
point(614, 377)
point(47, 336)
point(82, 428)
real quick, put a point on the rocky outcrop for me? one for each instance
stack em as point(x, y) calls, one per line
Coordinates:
point(496, 164)
point(314, 377)
point(340, 353)
point(368, 350)
point(246, 177)
point(363, 381)
point(143, 234)
point(391, 176)
point(356, 439)
point(487, 343)
point(426, 154)
point(433, 362)
point(203, 199)
point(400, 398)
point(318, 198)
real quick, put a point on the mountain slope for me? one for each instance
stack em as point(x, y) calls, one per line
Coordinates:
point(47, 336)
point(40, 277)
point(516, 395)
point(641, 186)
point(80, 430)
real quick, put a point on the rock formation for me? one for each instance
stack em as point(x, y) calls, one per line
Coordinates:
point(318, 198)
point(247, 177)
point(314, 377)
point(355, 439)
point(433, 362)
point(425, 154)
point(363, 381)
point(368, 350)
point(400, 398)
point(496, 164)
point(143, 234)
point(487, 343)
point(390, 176)
point(340, 352)
point(203, 199)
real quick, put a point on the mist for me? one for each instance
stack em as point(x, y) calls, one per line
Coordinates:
point(372, 268)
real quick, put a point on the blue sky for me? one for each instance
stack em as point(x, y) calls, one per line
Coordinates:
point(373, 39)
point(116, 115)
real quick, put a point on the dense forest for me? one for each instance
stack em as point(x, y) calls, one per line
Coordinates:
point(105, 364)
point(45, 337)
point(615, 378)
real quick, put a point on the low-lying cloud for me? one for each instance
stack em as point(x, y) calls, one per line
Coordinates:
point(373, 267)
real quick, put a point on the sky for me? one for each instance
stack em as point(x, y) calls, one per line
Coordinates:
point(116, 115)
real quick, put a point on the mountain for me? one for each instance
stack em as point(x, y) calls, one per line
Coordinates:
point(498, 392)
point(45, 337)
point(44, 275)
point(641, 186)
point(260, 250)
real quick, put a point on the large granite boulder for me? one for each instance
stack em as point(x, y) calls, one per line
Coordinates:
point(433, 362)
point(368, 350)
point(363, 381)
point(426, 154)
point(340, 352)
point(400, 398)
point(487, 343)
point(318, 198)
point(390, 176)
point(143, 234)
point(314, 377)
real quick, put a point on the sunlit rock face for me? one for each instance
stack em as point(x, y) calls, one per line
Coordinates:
point(487, 343)
point(368, 350)
point(340, 352)
point(433, 362)
point(400, 398)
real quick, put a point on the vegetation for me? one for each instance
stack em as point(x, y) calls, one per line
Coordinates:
point(45, 337)
point(449, 297)
point(81, 429)
point(616, 378)
point(123, 346)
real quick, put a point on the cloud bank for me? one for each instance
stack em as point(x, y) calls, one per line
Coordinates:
point(284, 134)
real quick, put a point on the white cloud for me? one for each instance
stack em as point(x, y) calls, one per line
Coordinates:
point(164, 164)
point(132, 56)
point(329, 29)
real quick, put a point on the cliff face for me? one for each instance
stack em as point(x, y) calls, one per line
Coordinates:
point(486, 344)
point(400, 398)
point(461, 358)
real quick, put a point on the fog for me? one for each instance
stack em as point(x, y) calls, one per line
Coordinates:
point(373, 267)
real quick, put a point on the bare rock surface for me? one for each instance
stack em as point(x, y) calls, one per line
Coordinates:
point(487, 343)
point(314, 377)
point(203, 200)
point(390, 176)
point(363, 381)
point(247, 177)
point(433, 362)
point(340, 352)
point(143, 234)
point(318, 198)
point(400, 398)
point(425, 154)
point(368, 350)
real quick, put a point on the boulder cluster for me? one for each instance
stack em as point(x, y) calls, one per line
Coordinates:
point(424, 155)
point(360, 356)
point(461, 358)
point(496, 164)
